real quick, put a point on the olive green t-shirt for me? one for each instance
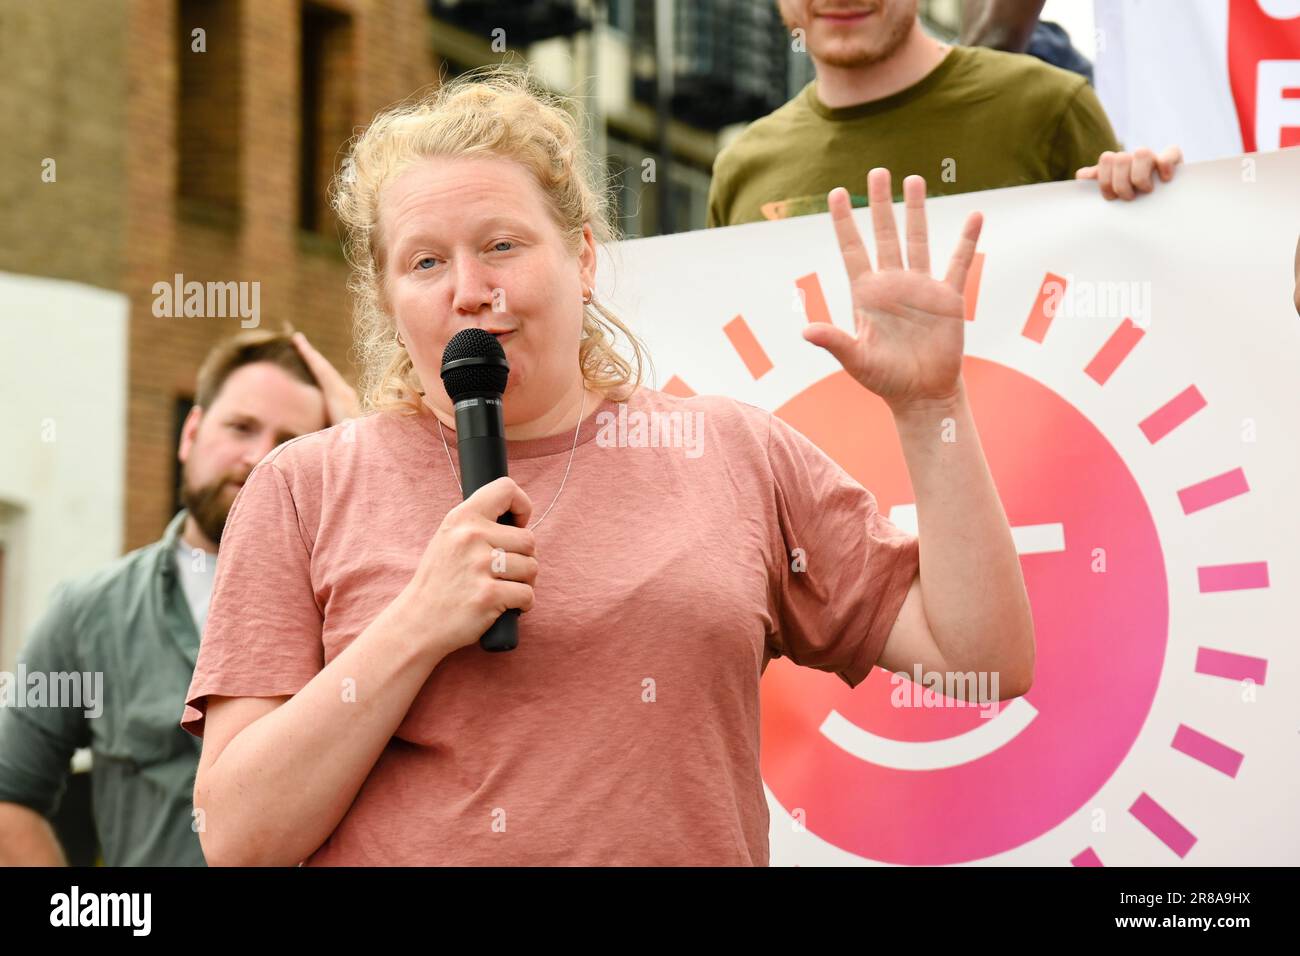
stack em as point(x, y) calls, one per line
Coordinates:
point(981, 119)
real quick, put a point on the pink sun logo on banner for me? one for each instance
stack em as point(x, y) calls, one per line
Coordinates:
point(947, 785)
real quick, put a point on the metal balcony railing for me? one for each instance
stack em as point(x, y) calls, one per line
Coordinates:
point(731, 60)
point(523, 22)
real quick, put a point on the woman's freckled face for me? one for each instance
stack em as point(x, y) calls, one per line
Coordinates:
point(471, 242)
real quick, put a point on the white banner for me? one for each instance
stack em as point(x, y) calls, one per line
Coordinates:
point(1134, 369)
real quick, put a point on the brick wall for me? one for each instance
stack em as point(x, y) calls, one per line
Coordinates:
point(99, 86)
point(302, 276)
point(62, 97)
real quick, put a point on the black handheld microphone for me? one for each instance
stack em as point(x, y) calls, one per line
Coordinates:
point(474, 372)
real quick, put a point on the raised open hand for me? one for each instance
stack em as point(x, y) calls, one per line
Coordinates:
point(909, 327)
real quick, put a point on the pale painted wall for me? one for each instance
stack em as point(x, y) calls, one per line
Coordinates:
point(63, 357)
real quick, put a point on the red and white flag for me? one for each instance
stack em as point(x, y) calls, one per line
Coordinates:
point(1216, 77)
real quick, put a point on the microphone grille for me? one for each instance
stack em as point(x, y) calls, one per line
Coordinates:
point(484, 369)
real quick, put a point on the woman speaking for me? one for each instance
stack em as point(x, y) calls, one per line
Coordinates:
point(348, 713)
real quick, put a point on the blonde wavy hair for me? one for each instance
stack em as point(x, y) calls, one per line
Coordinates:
point(493, 111)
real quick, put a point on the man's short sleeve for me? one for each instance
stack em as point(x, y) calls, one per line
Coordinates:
point(37, 743)
point(1083, 135)
point(263, 632)
point(846, 568)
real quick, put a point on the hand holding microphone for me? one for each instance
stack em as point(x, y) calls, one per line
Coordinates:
point(475, 570)
point(475, 373)
point(478, 571)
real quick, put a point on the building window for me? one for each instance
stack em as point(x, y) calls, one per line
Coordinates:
point(328, 75)
point(208, 113)
point(622, 15)
point(690, 197)
point(636, 206)
point(628, 192)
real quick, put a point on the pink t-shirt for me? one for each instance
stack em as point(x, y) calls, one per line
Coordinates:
point(624, 729)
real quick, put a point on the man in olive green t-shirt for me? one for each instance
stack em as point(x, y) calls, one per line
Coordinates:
point(887, 94)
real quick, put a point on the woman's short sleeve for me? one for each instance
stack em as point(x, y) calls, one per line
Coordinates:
point(263, 632)
point(846, 569)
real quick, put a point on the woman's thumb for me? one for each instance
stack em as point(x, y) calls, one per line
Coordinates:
point(832, 338)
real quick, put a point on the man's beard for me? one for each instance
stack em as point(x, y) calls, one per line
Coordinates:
point(856, 57)
point(894, 33)
point(208, 505)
